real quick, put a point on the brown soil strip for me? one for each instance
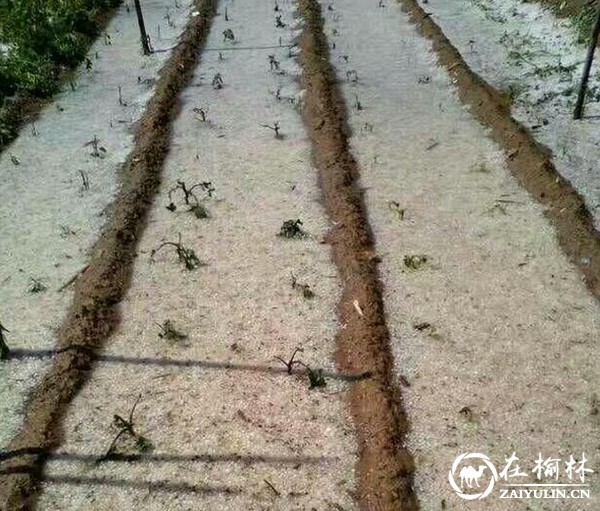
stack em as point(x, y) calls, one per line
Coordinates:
point(385, 467)
point(528, 160)
point(94, 314)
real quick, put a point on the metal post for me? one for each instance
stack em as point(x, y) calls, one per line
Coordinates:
point(143, 34)
point(587, 68)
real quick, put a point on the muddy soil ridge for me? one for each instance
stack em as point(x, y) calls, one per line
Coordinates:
point(527, 159)
point(94, 314)
point(385, 468)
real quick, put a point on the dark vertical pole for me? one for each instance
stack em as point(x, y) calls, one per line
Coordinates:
point(587, 68)
point(143, 34)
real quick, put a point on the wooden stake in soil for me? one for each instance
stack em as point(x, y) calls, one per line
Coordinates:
point(587, 68)
point(143, 35)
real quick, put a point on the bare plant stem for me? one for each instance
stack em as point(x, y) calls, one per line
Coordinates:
point(125, 427)
point(291, 362)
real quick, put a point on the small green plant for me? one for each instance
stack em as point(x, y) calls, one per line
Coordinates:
point(432, 144)
point(273, 63)
point(497, 208)
point(190, 198)
point(316, 378)
point(416, 261)
point(514, 90)
point(4, 349)
point(289, 364)
point(292, 229)
point(202, 112)
point(278, 22)
point(594, 405)
point(429, 329)
point(352, 76)
point(228, 35)
point(98, 151)
point(199, 211)
point(467, 413)
point(217, 81)
point(304, 289)
point(121, 101)
point(357, 104)
point(422, 326)
point(85, 181)
point(37, 286)
point(170, 333)
point(186, 255)
point(126, 426)
point(167, 16)
point(480, 168)
point(396, 208)
point(66, 231)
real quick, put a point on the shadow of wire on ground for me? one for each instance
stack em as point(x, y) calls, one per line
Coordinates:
point(176, 458)
point(159, 485)
point(156, 486)
point(20, 354)
point(12, 457)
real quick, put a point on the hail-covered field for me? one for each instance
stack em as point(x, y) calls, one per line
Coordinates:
point(338, 285)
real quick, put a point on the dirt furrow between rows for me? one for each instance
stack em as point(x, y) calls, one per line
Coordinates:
point(385, 468)
point(94, 313)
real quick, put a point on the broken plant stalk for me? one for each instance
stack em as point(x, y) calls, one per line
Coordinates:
point(126, 427)
point(187, 256)
point(291, 362)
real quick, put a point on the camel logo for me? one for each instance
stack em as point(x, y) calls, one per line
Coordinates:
point(471, 476)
